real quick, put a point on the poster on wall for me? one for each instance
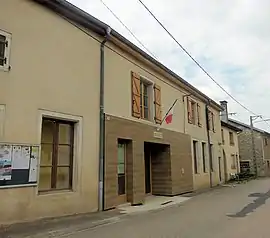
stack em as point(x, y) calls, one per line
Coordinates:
point(20, 157)
point(33, 164)
point(5, 162)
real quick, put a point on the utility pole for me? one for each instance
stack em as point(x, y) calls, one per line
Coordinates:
point(209, 145)
point(253, 146)
point(253, 118)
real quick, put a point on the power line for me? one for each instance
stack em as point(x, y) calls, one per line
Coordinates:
point(195, 61)
point(123, 24)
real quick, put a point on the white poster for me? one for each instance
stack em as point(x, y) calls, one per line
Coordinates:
point(5, 162)
point(33, 164)
point(20, 157)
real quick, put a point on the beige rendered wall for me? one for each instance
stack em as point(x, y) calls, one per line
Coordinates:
point(230, 149)
point(118, 103)
point(55, 68)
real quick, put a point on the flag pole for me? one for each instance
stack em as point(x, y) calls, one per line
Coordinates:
point(175, 101)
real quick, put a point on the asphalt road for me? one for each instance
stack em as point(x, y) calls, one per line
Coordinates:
point(242, 211)
point(237, 212)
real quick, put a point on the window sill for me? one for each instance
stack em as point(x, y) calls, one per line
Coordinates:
point(5, 69)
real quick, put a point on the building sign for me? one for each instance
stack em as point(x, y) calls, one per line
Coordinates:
point(158, 134)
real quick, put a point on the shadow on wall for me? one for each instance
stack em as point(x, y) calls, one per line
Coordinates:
point(251, 207)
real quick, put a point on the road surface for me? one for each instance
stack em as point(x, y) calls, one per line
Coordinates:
point(232, 212)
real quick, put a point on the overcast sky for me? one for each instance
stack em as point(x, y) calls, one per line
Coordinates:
point(230, 38)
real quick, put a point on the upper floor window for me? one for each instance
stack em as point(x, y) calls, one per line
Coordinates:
point(211, 121)
point(146, 99)
point(199, 115)
point(194, 112)
point(231, 137)
point(222, 136)
point(191, 112)
point(4, 49)
point(265, 141)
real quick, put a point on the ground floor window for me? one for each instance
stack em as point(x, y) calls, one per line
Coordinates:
point(121, 167)
point(56, 162)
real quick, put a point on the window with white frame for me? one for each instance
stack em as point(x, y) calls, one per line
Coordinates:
point(5, 39)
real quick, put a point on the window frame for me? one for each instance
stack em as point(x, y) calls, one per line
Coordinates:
point(192, 108)
point(231, 138)
point(150, 100)
point(7, 36)
point(55, 144)
point(222, 136)
point(204, 149)
point(122, 175)
point(195, 156)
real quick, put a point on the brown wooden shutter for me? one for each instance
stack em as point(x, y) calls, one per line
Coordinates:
point(157, 103)
point(213, 122)
point(210, 121)
point(199, 114)
point(189, 111)
point(136, 96)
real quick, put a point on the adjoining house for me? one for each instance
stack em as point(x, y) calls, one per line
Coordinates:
point(82, 117)
point(230, 147)
point(249, 161)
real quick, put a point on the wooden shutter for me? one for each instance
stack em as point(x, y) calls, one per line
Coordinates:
point(213, 122)
point(136, 96)
point(210, 121)
point(189, 111)
point(157, 103)
point(199, 114)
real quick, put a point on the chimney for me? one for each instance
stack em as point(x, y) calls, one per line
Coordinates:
point(224, 112)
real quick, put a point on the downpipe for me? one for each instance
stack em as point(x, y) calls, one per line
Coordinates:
point(102, 124)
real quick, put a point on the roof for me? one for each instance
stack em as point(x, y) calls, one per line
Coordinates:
point(230, 126)
point(243, 125)
point(84, 19)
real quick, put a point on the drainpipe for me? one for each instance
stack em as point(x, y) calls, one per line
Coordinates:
point(102, 124)
point(209, 144)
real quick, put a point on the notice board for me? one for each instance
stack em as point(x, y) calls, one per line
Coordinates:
point(18, 164)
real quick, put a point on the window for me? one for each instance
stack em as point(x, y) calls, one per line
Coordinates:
point(144, 94)
point(143, 99)
point(121, 167)
point(231, 138)
point(191, 112)
point(199, 115)
point(204, 156)
point(268, 164)
point(211, 121)
point(195, 156)
point(222, 136)
point(265, 142)
point(233, 162)
point(4, 49)
point(56, 163)
point(211, 158)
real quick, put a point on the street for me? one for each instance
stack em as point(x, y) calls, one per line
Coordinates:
point(240, 211)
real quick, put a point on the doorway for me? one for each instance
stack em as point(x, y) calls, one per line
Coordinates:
point(156, 167)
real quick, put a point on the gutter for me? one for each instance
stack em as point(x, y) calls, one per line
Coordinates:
point(102, 124)
point(209, 143)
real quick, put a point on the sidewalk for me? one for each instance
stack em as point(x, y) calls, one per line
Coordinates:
point(57, 227)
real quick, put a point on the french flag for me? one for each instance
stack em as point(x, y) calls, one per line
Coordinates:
point(169, 117)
